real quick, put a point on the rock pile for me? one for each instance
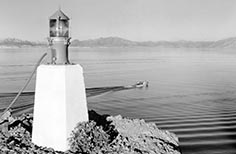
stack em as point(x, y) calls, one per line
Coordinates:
point(102, 134)
point(136, 136)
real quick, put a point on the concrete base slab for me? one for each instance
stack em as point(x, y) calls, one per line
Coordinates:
point(60, 103)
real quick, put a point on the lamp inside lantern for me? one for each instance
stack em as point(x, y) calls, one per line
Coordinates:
point(59, 27)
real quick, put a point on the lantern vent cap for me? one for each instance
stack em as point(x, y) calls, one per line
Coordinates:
point(59, 14)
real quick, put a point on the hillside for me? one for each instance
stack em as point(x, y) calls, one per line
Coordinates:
point(104, 42)
point(120, 42)
point(13, 42)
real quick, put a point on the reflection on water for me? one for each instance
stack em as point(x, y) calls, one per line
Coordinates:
point(191, 92)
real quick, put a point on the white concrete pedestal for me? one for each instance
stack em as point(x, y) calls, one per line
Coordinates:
point(60, 103)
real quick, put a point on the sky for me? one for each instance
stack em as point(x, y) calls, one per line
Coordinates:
point(137, 20)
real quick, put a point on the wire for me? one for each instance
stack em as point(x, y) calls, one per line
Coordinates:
point(26, 84)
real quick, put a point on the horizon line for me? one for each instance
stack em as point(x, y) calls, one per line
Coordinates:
point(177, 40)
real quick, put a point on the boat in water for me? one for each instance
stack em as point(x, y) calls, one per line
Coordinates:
point(141, 84)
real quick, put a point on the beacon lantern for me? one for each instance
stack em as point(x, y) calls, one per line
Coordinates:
point(59, 38)
point(60, 100)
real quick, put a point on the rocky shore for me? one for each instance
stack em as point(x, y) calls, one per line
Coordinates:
point(102, 134)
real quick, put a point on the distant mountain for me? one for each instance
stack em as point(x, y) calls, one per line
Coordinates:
point(120, 42)
point(225, 43)
point(13, 42)
point(104, 42)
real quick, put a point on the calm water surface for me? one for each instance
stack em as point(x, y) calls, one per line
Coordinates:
point(192, 92)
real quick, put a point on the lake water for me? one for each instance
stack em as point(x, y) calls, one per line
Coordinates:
point(192, 92)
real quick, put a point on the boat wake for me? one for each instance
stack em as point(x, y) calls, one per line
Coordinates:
point(25, 102)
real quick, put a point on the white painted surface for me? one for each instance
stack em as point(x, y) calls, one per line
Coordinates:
point(60, 103)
